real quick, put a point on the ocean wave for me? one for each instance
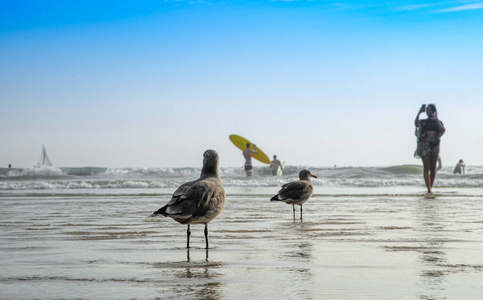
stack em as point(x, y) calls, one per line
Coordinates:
point(48, 172)
point(41, 171)
point(404, 169)
point(46, 178)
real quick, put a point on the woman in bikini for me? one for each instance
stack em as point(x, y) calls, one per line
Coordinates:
point(429, 132)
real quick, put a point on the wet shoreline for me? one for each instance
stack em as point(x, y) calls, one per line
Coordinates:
point(351, 244)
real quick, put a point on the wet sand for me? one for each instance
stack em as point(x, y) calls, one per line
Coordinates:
point(354, 243)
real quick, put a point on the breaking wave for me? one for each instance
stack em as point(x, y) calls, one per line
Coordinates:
point(46, 178)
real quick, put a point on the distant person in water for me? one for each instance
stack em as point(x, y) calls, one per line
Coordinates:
point(460, 167)
point(440, 164)
point(10, 166)
point(247, 153)
point(428, 132)
point(274, 164)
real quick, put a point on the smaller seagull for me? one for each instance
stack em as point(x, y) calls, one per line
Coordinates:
point(297, 192)
point(198, 201)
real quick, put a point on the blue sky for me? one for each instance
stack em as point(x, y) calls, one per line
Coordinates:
point(155, 83)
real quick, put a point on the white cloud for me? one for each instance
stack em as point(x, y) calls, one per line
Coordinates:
point(464, 7)
point(414, 7)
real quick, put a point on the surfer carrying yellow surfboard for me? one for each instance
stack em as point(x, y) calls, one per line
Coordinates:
point(249, 150)
point(247, 153)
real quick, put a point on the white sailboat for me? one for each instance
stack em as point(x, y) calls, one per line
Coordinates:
point(44, 167)
point(44, 159)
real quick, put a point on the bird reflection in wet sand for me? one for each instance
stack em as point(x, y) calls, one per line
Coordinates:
point(188, 255)
point(198, 201)
point(193, 279)
point(297, 192)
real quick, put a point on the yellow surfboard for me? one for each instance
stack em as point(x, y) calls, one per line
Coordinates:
point(241, 143)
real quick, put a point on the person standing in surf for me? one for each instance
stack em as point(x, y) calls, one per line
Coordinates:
point(247, 153)
point(460, 167)
point(274, 164)
point(429, 132)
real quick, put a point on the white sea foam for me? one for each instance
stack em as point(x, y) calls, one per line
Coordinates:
point(36, 171)
point(152, 178)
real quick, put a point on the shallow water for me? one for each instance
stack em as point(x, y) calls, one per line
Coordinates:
point(364, 243)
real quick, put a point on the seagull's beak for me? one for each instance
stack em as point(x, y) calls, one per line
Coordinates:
point(313, 176)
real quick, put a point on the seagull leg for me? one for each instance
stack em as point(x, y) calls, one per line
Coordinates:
point(301, 212)
point(188, 233)
point(293, 212)
point(206, 235)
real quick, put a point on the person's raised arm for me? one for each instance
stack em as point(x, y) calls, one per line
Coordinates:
point(421, 110)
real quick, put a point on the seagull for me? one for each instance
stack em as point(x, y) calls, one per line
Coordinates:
point(198, 201)
point(296, 192)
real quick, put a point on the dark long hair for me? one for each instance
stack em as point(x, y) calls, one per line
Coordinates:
point(433, 107)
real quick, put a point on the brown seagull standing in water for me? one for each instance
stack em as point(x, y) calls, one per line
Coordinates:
point(198, 201)
point(297, 192)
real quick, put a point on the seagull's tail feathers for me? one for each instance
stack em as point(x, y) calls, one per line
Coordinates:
point(276, 198)
point(161, 211)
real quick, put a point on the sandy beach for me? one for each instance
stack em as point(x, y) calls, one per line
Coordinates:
point(353, 243)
